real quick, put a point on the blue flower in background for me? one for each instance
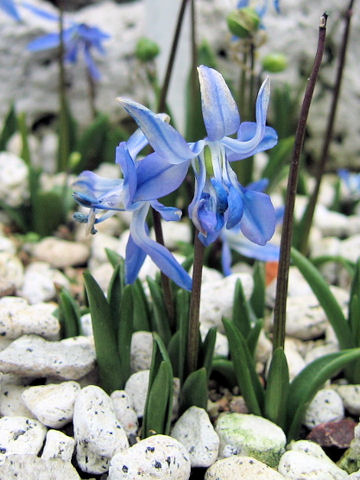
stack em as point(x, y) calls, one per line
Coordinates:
point(9, 7)
point(261, 10)
point(78, 38)
point(143, 182)
point(220, 200)
point(351, 181)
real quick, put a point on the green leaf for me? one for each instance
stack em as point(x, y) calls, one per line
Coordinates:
point(195, 390)
point(278, 160)
point(354, 305)
point(9, 127)
point(277, 388)
point(326, 299)
point(253, 337)
point(344, 262)
point(309, 381)
point(141, 308)
point(242, 313)
point(257, 299)
point(160, 321)
point(225, 368)
point(91, 143)
point(47, 212)
point(69, 314)
point(104, 336)
point(114, 258)
point(114, 295)
point(25, 150)
point(17, 215)
point(207, 350)
point(244, 368)
point(124, 333)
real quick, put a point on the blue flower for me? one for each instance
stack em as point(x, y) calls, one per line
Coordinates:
point(143, 182)
point(351, 181)
point(220, 200)
point(78, 38)
point(261, 10)
point(9, 7)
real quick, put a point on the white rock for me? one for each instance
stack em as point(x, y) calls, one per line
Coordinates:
point(58, 445)
point(175, 232)
point(124, 411)
point(86, 325)
point(31, 319)
point(41, 282)
point(350, 248)
point(320, 351)
point(13, 179)
point(326, 406)
point(7, 245)
point(11, 269)
point(295, 361)
point(33, 356)
point(308, 447)
point(136, 387)
point(98, 434)
point(21, 435)
point(30, 467)
point(195, 431)
point(305, 319)
point(241, 467)
point(158, 456)
point(350, 395)
point(141, 351)
point(217, 299)
point(250, 435)
point(11, 402)
point(294, 465)
point(61, 253)
point(53, 404)
point(99, 243)
point(330, 223)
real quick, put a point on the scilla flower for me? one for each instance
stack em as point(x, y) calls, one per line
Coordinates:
point(220, 200)
point(9, 7)
point(262, 8)
point(351, 182)
point(143, 182)
point(78, 38)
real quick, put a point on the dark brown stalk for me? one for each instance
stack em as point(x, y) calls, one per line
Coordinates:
point(309, 213)
point(286, 237)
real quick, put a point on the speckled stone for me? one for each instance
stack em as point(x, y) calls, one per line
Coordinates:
point(32, 356)
point(250, 435)
point(17, 320)
point(58, 445)
point(21, 435)
point(11, 402)
point(326, 406)
point(141, 351)
point(350, 395)
point(241, 467)
point(61, 253)
point(98, 434)
point(13, 179)
point(31, 467)
point(296, 464)
point(11, 269)
point(195, 431)
point(305, 319)
point(136, 387)
point(124, 411)
point(159, 457)
point(53, 404)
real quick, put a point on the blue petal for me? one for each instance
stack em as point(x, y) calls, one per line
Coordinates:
point(265, 253)
point(164, 139)
point(136, 142)
point(159, 254)
point(247, 147)
point(9, 7)
point(40, 12)
point(246, 132)
point(258, 220)
point(170, 214)
point(156, 177)
point(45, 42)
point(200, 180)
point(220, 113)
point(134, 259)
point(259, 185)
point(128, 167)
point(94, 191)
point(242, 3)
point(236, 208)
point(225, 257)
point(92, 68)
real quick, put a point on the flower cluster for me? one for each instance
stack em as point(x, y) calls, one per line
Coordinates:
point(220, 202)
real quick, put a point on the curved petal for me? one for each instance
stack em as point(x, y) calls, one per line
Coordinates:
point(136, 142)
point(45, 42)
point(220, 113)
point(170, 214)
point(164, 139)
point(235, 208)
point(156, 177)
point(258, 220)
point(40, 12)
point(134, 260)
point(260, 185)
point(10, 8)
point(128, 167)
point(225, 257)
point(200, 179)
point(248, 146)
point(265, 253)
point(91, 66)
point(159, 254)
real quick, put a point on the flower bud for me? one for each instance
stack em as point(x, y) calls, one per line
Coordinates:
point(243, 22)
point(274, 62)
point(146, 50)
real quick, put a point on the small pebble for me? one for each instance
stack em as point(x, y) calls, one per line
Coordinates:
point(61, 253)
point(141, 351)
point(21, 435)
point(11, 402)
point(326, 406)
point(295, 465)
point(350, 395)
point(239, 467)
point(58, 445)
point(136, 387)
point(157, 457)
point(124, 411)
point(31, 467)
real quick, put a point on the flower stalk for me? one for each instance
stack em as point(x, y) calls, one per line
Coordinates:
point(287, 231)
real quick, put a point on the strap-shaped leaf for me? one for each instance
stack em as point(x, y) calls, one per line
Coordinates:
point(326, 299)
point(114, 297)
point(69, 314)
point(244, 368)
point(242, 313)
point(195, 390)
point(9, 127)
point(309, 380)
point(159, 317)
point(113, 257)
point(207, 350)
point(277, 388)
point(141, 308)
point(104, 336)
point(225, 368)
point(354, 305)
point(253, 337)
point(124, 332)
point(257, 299)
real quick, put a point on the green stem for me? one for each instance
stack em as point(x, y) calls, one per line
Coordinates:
point(310, 209)
point(194, 323)
point(287, 230)
point(92, 94)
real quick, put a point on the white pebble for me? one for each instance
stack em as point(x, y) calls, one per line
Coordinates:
point(350, 395)
point(326, 406)
point(295, 465)
point(241, 467)
point(58, 445)
point(124, 411)
point(141, 351)
point(11, 402)
point(21, 435)
point(136, 387)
